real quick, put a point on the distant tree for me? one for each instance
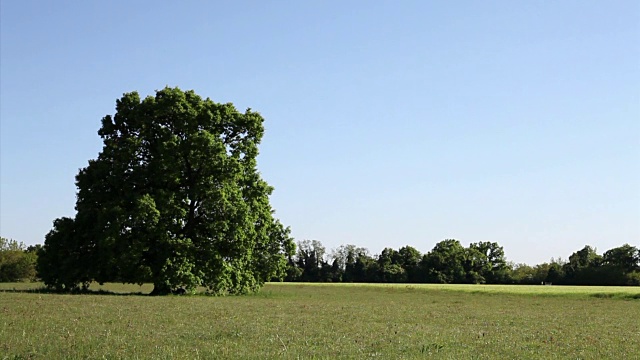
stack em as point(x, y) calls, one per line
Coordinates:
point(174, 198)
point(11, 245)
point(392, 273)
point(312, 250)
point(294, 272)
point(555, 274)
point(626, 258)
point(632, 278)
point(584, 268)
point(523, 274)
point(34, 248)
point(336, 272)
point(310, 259)
point(389, 267)
point(347, 254)
point(327, 272)
point(445, 263)
point(409, 259)
point(584, 258)
point(387, 257)
point(16, 264)
point(621, 265)
point(345, 258)
point(361, 268)
point(491, 265)
point(476, 266)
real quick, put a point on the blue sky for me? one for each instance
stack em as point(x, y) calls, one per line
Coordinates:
point(387, 123)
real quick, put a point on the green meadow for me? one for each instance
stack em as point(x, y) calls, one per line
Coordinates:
point(324, 321)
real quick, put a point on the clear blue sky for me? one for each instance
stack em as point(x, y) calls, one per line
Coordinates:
point(388, 123)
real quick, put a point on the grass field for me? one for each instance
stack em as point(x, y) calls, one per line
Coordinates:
point(326, 321)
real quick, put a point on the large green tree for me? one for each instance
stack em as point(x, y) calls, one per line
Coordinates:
point(173, 198)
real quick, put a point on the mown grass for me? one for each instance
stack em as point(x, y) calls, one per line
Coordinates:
point(325, 321)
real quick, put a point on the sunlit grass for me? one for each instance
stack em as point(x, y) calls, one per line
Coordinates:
point(597, 291)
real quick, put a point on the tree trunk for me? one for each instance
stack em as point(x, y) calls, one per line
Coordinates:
point(160, 289)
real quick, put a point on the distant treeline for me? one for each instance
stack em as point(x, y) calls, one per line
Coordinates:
point(451, 263)
point(447, 263)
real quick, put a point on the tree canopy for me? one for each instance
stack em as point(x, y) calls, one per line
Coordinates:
point(173, 198)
